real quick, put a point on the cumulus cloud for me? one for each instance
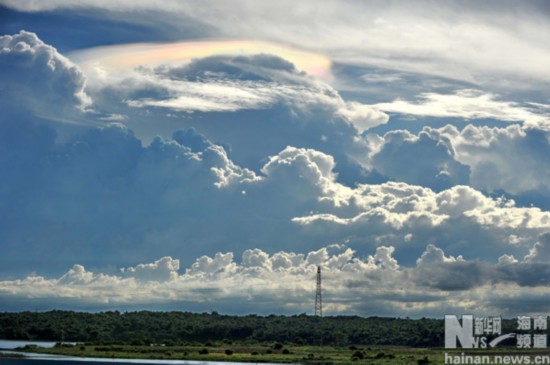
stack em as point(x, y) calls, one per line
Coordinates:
point(384, 259)
point(36, 77)
point(109, 192)
point(458, 216)
point(375, 284)
point(279, 189)
point(540, 251)
point(510, 159)
point(76, 275)
point(256, 104)
point(221, 262)
point(434, 254)
point(164, 269)
point(419, 159)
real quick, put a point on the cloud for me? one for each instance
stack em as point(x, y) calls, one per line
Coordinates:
point(468, 42)
point(540, 251)
point(434, 254)
point(207, 265)
point(164, 269)
point(256, 105)
point(384, 259)
point(435, 270)
point(363, 117)
point(470, 104)
point(113, 194)
point(349, 281)
point(252, 283)
point(510, 160)
point(76, 275)
point(409, 216)
point(102, 62)
point(36, 77)
point(419, 159)
point(285, 188)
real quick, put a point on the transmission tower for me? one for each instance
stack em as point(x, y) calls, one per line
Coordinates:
point(318, 297)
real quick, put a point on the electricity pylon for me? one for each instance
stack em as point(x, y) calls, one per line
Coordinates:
point(318, 297)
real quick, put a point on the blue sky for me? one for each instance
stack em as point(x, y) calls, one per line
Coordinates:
point(209, 155)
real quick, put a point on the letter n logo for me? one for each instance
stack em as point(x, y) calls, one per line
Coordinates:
point(464, 333)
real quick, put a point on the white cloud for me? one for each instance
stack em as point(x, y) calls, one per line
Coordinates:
point(434, 254)
point(384, 259)
point(184, 194)
point(510, 159)
point(36, 77)
point(362, 116)
point(76, 275)
point(222, 262)
point(164, 269)
point(258, 98)
point(507, 259)
point(500, 45)
point(349, 282)
point(285, 260)
point(469, 104)
point(256, 258)
point(540, 251)
point(420, 159)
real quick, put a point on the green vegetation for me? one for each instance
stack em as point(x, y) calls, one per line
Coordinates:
point(212, 337)
point(306, 355)
point(312, 355)
point(180, 328)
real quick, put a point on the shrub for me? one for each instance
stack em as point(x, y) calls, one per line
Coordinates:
point(229, 352)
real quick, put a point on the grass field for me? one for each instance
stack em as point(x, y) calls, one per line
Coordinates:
point(283, 354)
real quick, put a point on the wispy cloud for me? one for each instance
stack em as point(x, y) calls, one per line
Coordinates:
point(485, 45)
point(470, 104)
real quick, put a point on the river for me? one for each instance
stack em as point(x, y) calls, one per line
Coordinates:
point(44, 359)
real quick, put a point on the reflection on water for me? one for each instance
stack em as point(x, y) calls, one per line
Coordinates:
point(64, 360)
point(10, 345)
point(94, 361)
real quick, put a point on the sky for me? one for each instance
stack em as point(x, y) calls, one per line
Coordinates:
point(206, 155)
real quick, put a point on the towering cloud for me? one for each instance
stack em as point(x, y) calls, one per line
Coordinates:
point(36, 77)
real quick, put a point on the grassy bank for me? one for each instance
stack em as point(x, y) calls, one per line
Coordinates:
point(254, 353)
point(307, 355)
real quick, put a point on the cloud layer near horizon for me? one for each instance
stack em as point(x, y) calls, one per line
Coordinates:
point(284, 283)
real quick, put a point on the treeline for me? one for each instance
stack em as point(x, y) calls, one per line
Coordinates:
point(177, 328)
